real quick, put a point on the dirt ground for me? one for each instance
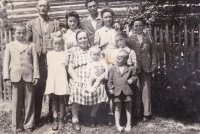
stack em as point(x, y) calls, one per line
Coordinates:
point(157, 125)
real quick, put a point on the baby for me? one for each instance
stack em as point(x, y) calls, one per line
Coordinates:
point(96, 64)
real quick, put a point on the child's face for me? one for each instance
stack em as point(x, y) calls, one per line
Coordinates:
point(107, 19)
point(121, 41)
point(57, 44)
point(82, 40)
point(92, 7)
point(95, 55)
point(72, 23)
point(138, 27)
point(20, 33)
point(121, 60)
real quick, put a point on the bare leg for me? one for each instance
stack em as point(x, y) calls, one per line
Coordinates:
point(118, 108)
point(128, 106)
point(75, 110)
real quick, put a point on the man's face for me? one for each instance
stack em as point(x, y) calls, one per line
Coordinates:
point(92, 7)
point(42, 7)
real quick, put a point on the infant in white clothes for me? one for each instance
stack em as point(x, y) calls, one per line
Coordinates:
point(97, 69)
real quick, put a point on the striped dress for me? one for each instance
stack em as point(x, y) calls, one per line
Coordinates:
point(78, 59)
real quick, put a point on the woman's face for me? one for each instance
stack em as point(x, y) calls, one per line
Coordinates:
point(82, 40)
point(138, 27)
point(107, 19)
point(72, 23)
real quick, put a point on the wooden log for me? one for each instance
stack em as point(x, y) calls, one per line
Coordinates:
point(192, 49)
point(22, 5)
point(33, 10)
point(185, 46)
point(53, 15)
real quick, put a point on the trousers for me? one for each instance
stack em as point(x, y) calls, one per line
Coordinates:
point(23, 101)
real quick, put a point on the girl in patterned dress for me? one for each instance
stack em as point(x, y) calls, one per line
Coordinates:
point(78, 60)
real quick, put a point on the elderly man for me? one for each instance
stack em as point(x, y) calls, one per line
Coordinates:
point(39, 31)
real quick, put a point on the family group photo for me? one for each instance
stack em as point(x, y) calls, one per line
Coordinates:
point(99, 66)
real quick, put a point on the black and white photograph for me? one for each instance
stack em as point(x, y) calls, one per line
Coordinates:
point(99, 66)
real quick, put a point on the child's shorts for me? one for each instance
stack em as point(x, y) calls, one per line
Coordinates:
point(123, 98)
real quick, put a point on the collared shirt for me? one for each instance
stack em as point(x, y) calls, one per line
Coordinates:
point(105, 38)
point(132, 56)
point(44, 23)
point(94, 21)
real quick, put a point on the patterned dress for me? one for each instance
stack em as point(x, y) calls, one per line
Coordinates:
point(78, 60)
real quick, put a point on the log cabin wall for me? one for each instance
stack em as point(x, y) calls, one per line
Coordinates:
point(24, 10)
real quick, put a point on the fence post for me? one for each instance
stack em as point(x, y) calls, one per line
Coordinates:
point(4, 40)
point(199, 46)
point(185, 46)
point(167, 47)
point(192, 51)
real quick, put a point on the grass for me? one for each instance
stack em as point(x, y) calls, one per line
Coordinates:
point(158, 124)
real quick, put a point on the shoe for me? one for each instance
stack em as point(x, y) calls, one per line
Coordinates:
point(55, 124)
point(93, 121)
point(29, 130)
point(76, 126)
point(18, 131)
point(61, 123)
point(120, 128)
point(110, 120)
point(128, 128)
point(145, 119)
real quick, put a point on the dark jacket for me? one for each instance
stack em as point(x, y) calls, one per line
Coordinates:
point(86, 24)
point(145, 53)
point(118, 81)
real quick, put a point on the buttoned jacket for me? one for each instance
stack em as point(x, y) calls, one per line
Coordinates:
point(34, 32)
point(145, 52)
point(118, 81)
point(20, 64)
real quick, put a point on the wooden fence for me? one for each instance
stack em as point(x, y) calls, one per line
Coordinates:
point(178, 47)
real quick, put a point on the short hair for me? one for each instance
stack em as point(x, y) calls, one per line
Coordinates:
point(137, 19)
point(20, 25)
point(57, 34)
point(122, 33)
point(72, 13)
point(124, 53)
point(88, 1)
point(95, 48)
point(107, 9)
point(43, 0)
point(80, 31)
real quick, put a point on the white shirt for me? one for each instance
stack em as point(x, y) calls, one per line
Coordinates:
point(94, 21)
point(44, 23)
